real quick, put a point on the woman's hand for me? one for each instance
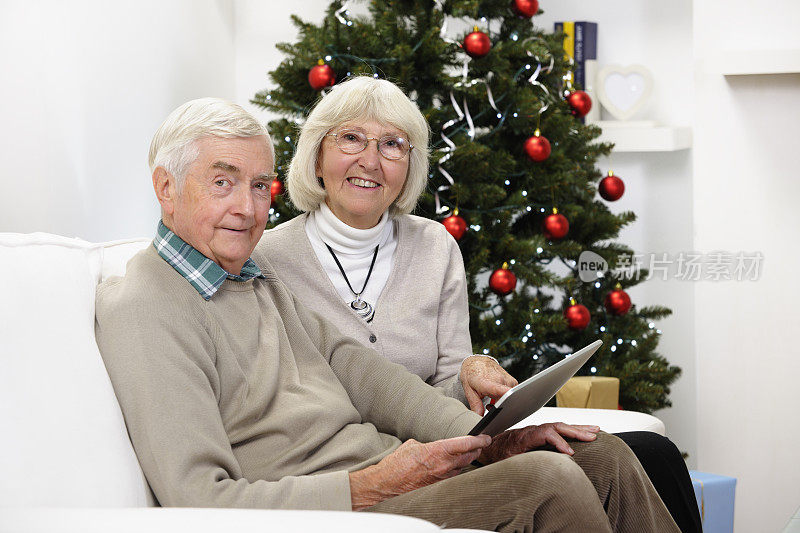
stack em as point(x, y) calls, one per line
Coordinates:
point(482, 376)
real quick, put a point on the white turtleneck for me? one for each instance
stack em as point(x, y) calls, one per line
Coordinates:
point(354, 249)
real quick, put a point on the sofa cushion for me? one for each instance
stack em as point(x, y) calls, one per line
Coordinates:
point(64, 440)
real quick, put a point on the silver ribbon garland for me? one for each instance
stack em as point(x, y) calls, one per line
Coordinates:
point(342, 10)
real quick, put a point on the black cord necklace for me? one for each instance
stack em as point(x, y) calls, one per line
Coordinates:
point(362, 308)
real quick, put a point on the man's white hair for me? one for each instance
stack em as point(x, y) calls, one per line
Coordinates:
point(174, 147)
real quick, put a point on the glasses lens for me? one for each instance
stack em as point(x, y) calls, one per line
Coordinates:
point(351, 142)
point(393, 147)
point(390, 146)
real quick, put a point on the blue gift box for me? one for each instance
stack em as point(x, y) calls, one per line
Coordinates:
point(715, 495)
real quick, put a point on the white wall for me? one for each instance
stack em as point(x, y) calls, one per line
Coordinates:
point(259, 26)
point(85, 85)
point(746, 190)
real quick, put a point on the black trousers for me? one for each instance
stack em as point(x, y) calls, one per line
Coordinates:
point(667, 471)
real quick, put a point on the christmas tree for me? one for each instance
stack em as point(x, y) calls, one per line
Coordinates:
point(513, 176)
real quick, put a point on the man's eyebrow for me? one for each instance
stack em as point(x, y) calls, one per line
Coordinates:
point(227, 167)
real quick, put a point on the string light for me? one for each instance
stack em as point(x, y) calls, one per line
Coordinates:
point(651, 325)
point(619, 341)
point(528, 208)
point(486, 351)
point(507, 182)
point(498, 322)
point(287, 139)
point(535, 357)
point(328, 58)
point(515, 115)
point(633, 343)
point(524, 193)
point(542, 210)
point(597, 284)
point(536, 311)
point(527, 326)
point(593, 369)
point(513, 261)
point(613, 348)
point(602, 328)
point(539, 250)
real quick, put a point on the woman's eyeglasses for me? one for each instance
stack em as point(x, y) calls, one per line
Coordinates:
point(391, 147)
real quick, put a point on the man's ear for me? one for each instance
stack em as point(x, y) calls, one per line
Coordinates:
point(166, 187)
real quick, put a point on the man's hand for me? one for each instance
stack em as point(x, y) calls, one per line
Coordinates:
point(482, 376)
point(514, 441)
point(411, 466)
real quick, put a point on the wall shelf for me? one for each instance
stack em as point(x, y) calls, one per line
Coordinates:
point(756, 62)
point(633, 137)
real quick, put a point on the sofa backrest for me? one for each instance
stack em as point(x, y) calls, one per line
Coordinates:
point(64, 442)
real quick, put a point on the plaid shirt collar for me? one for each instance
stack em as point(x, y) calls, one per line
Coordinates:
point(204, 274)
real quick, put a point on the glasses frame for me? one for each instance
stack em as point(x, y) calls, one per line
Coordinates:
point(368, 139)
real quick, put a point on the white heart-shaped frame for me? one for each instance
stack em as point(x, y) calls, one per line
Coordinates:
point(623, 91)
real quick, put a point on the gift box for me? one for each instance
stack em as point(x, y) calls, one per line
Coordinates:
point(595, 392)
point(715, 496)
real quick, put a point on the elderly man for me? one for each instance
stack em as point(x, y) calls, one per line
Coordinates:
point(235, 395)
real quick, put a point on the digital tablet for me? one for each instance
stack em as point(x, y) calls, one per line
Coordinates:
point(530, 395)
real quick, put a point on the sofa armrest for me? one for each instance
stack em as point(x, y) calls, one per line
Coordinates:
point(164, 520)
point(609, 420)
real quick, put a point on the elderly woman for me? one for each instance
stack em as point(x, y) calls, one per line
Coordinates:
point(392, 280)
point(395, 281)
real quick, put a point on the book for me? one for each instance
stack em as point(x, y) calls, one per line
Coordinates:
point(585, 48)
point(568, 27)
point(586, 64)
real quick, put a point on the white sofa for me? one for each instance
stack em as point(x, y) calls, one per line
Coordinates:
point(66, 460)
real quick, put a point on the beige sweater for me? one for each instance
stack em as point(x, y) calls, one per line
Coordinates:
point(250, 399)
point(421, 318)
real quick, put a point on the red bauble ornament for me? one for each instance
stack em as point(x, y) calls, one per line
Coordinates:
point(580, 102)
point(618, 302)
point(321, 76)
point(555, 226)
point(525, 8)
point(477, 43)
point(537, 147)
point(276, 189)
point(611, 187)
point(577, 315)
point(502, 281)
point(455, 225)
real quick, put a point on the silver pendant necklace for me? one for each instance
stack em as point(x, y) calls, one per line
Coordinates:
point(362, 308)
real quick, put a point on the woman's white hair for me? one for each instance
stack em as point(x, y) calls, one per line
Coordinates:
point(361, 97)
point(174, 147)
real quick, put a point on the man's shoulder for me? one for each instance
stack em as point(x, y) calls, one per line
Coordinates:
point(150, 285)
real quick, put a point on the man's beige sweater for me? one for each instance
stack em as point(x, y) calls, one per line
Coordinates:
point(250, 399)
